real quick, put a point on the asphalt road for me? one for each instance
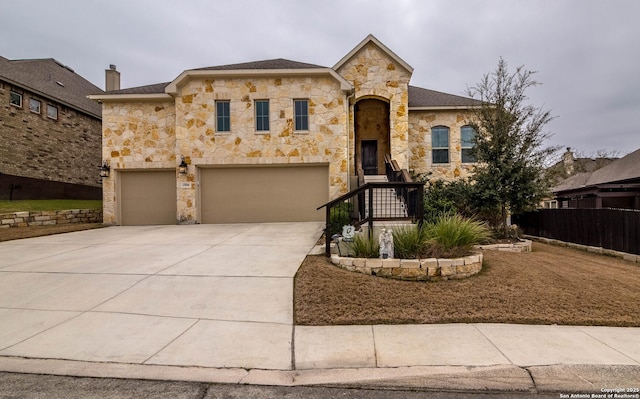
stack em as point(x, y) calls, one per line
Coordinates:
point(33, 386)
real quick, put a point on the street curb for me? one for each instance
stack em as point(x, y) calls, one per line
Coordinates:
point(498, 378)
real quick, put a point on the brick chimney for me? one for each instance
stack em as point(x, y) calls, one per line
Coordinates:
point(112, 78)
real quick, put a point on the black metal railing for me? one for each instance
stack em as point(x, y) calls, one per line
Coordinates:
point(383, 201)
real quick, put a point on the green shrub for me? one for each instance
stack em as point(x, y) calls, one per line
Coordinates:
point(340, 215)
point(364, 246)
point(409, 242)
point(453, 236)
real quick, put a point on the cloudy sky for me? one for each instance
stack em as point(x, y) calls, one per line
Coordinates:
point(586, 52)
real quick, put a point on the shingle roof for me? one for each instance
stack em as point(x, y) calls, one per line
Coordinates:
point(419, 97)
point(51, 79)
point(149, 89)
point(619, 171)
point(278, 63)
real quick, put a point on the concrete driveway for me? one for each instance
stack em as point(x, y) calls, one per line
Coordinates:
point(201, 295)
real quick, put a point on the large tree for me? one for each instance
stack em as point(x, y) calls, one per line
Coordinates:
point(509, 144)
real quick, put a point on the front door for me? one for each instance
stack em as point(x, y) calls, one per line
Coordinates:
point(369, 152)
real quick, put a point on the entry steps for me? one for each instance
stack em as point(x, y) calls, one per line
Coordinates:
point(385, 201)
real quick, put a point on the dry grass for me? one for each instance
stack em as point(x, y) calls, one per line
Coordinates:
point(551, 285)
point(14, 233)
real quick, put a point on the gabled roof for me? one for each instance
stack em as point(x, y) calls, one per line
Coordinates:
point(51, 79)
point(619, 171)
point(278, 63)
point(372, 39)
point(425, 99)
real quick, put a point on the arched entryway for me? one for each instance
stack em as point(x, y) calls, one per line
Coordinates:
point(372, 135)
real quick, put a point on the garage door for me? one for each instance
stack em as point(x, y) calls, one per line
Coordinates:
point(147, 197)
point(263, 194)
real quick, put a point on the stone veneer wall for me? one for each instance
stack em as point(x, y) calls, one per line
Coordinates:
point(136, 136)
point(44, 218)
point(32, 145)
point(154, 135)
point(420, 161)
point(375, 75)
point(413, 269)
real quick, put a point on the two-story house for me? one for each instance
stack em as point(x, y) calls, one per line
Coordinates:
point(272, 140)
point(50, 132)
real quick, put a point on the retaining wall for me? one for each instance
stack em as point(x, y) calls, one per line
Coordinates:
point(43, 218)
point(413, 269)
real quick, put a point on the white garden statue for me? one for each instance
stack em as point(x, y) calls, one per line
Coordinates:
point(386, 243)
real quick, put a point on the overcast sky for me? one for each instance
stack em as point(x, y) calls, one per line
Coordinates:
point(586, 52)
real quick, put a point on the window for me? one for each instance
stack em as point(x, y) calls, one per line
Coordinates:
point(440, 144)
point(34, 105)
point(52, 112)
point(262, 115)
point(15, 98)
point(301, 114)
point(223, 116)
point(468, 139)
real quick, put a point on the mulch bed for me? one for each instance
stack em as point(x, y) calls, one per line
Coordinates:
point(551, 285)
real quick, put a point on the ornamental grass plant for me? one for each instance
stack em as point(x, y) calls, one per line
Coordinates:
point(364, 246)
point(409, 242)
point(451, 236)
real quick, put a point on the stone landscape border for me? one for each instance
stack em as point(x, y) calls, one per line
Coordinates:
point(45, 218)
point(430, 269)
point(518, 246)
point(587, 248)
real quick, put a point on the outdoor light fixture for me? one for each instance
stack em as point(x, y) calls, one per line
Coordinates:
point(182, 168)
point(105, 169)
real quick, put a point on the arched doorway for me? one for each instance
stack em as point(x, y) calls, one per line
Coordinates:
point(372, 135)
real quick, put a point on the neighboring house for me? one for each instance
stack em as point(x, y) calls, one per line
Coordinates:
point(616, 185)
point(273, 140)
point(50, 141)
point(569, 166)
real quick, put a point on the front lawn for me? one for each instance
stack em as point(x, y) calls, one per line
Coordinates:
point(47, 205)
point(551, 285)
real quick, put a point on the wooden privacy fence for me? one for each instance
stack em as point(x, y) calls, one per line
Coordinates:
point(615, 229)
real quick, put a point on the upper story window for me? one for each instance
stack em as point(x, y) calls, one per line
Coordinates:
point(262, 115)
point(467, 140)
point(52, 112)
point(301, 114)
point(440, 144)
point(34, 105)
point(15, 98)
point(223, 116)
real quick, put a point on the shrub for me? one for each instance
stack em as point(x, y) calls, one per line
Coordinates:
point(453, 236)
point(409, 242)
point(364, 246)
point(340, 215)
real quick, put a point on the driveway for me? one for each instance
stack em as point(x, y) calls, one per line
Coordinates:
point(199, 295)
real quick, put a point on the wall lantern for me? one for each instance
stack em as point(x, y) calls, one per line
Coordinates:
point(105, 169)
point(182, 168)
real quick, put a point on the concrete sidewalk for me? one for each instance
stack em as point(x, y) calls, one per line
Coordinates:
point(214, 303)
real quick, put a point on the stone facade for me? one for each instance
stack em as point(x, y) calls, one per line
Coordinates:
point(376, 75)
point(33, 145)
point(145, 129)
point(420, 158)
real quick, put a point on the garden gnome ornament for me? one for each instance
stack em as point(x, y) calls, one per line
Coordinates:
point(386, 243)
